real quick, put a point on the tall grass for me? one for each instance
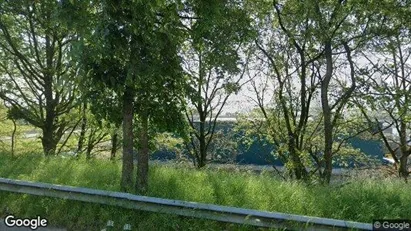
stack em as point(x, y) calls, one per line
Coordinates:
point(359, 200)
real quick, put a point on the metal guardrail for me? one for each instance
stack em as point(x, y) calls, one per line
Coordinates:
point(182, 208)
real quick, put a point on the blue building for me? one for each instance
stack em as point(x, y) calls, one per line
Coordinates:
point(260, 152)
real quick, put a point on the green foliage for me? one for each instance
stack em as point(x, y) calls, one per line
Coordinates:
point(37, 80)
point(96, 132)
point(360, 199)
point(273, 131)
point(383, 98)
point(168, 141)
point(221, 26)
point(224, 148)
point(6, 127)
point(133, 44)
point(215, 57)
point(6, 130)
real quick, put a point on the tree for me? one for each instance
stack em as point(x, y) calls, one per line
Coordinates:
point(4, 117)
point(115, 140)
point(301, 45)
point(94, 129)
point(36, 78)
point(337, 28)
point(294, 84)
point(215, 58)
point(83, 127)
point(384, 98)
point(100, 115)
point(335, 33)
point(130, 51)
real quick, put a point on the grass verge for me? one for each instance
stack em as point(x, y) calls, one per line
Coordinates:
point(361, 200)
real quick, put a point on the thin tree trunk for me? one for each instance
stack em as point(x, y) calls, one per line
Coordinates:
point(142, 158)
point(13, 137)
point(114, 141)
point(89, 147)
point(327, 150)
point(403, 169)
point(203, 150)
point(48, 141)
point(127, 170)
point(83, 128)
point(299, 169)
point(328, 128)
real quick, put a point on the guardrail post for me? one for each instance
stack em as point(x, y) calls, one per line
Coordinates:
point(127, 227)
point(109, 226)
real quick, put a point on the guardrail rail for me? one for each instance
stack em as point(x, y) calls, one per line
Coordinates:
point(182, 208)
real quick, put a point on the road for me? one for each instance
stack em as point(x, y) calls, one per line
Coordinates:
point(25, 136)
point(31, 135)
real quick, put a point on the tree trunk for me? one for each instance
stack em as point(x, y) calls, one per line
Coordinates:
point(89, 149)
point(48, 141)
point(403, 170)
point(114, 140)
point(299, 169)
point(83, 129)
point(49, 146)
point(127, 170)
point(142, 158)
point(327, 149)
point(13, 136)
point(328, 128)
point(203, 150)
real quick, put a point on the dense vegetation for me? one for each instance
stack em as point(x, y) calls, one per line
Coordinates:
point(93, 79)
point(359, 199)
